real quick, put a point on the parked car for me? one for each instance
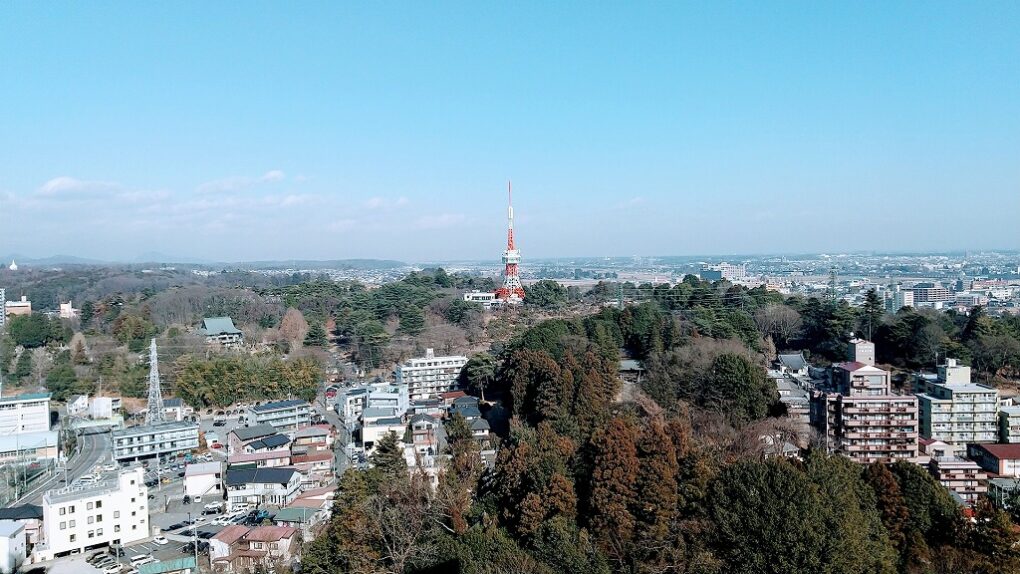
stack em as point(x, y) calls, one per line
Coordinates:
point(161, 540)
point(113, 568)
point(139, 558)
point(176, 526)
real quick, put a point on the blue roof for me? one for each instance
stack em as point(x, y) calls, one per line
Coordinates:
point(274, 406)
point(26, 397)
point(272, 441)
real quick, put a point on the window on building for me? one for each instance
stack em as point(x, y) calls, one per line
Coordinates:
point(63, 511)
point(99, 504)
point(116, 514)
point(99, 518)
point(91, 520)
point(73, 537)
point(88, 506)
point(132, 513)
point(132, 499)
point(92, 533)
point(63, 525)
point(99, 532)
point(70, 509)
point(70, 524)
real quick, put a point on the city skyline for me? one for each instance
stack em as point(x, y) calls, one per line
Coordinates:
point(389, 131)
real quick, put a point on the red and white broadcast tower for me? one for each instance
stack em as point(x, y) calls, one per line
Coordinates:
point(512, 292)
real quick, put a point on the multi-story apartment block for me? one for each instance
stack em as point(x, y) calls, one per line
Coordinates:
point(3, 308)
point(898, 298)
point(723, 271)
point(1009, 424)
point(963, 478)
point(149, 441)
point(431, 375)
point(28, 413)
point(929, 293)
point(863, 419)
point(954, 410)
point(111, 509)
point(282, 415)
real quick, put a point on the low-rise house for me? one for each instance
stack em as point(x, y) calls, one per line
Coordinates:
point(203, 479)
point(221, 331)
point(315, 436)
point(432, 407)
point(466, 407)
point(13, 546)
point(78, 406)
point(222, 542)
point(371, 433)
point(259, 547)
point(480, 429)
point(104, 407)
point(998, 459)
point(426, 433)
point(300, 518)
point(259, 459)
point(262, 486)
point(271, 443)
point(176, 410)
point(316, 467)
point(28, 514)
point(239, 437)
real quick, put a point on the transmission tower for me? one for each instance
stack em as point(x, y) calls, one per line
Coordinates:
point(831, 295)
point(154, 414)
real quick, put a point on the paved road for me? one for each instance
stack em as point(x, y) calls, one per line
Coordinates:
point(93, 448)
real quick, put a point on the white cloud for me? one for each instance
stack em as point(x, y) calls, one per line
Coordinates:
point(384, 203)
point(240, 182)
point(65, 186)
point(441, 221)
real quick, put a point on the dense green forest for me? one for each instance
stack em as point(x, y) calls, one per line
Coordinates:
point(673, 478)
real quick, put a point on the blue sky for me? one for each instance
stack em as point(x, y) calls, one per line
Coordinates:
point(334, 129)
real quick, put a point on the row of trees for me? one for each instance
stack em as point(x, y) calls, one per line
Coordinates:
point(225, 379)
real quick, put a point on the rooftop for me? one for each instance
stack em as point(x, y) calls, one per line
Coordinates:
point(219, 326)
point(9, 528)
point(1001, 451)
point(271, 441)
point(269, 533)
point(254, 432)
point(279, 405)
point(203, 468)
point(236, 477)
point(231, 534)
point(154, 429)
point(25, 397)
point(174, 565)
point(257, 456)
point(23, 512)
point(295, 514)
point(793, 362)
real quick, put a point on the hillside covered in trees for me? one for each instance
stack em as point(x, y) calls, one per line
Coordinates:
point(673, 477)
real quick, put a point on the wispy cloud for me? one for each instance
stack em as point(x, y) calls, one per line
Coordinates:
point(440, 221)
point(71, 187)
point(240, 182)
point(384, 203)
point(632, 202)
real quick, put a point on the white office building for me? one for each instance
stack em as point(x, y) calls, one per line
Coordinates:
point(111, 508)
point(28, 413)
point(954, 410)
point(148, 441)
point(282, 415)
point(484, 298)
point(431, 375)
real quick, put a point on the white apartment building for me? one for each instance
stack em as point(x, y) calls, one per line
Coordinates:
point(1009, 424)
point(104, 407)
point(203, 479)
point(282, 415)
point(352, 402)
point(149, 441)
point(898, 298)
point(956, 411)
point(111, 509)
point(261, 486)
point(431, 375)
point(3, 308)
point(27, 413)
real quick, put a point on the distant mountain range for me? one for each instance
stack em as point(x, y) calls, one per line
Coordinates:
point(162, 258)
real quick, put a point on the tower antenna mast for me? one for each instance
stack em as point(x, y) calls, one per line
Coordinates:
point(512, 291)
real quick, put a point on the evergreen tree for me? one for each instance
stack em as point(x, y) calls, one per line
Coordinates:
point(316, 336)
point(613, 493)
point(895, 514)
point(871, 313)
point(478, 373)
point(387, 460)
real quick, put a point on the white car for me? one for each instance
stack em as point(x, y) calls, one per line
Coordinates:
point(139, 558)
point(161, 540)
point(113, 569)
point(197, 498)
